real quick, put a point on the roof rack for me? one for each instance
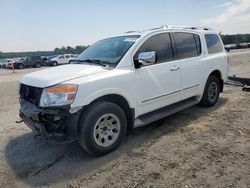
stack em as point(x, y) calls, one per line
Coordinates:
point(132, 32)
point(175, 27)
point(186, 27)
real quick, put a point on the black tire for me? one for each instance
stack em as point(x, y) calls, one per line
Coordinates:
point(88, 124)
point(54, 63)
point(210, 96)
point(20, 66)
point(38, 65)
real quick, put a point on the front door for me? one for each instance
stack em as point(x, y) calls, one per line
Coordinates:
point(158, 85)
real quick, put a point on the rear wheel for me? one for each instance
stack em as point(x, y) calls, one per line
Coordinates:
point(102, 128)
point(211, 92)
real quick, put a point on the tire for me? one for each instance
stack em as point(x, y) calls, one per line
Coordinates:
point(20, 66)
point(54, 63)
point(98, 136)
point(211, 92)
point(38, 65)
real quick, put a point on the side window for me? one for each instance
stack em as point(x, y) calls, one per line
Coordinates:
point(67, 56)
point(61, 57)
point(72, 56)
point(213, 43)
point(187, 44)
point(161, 44)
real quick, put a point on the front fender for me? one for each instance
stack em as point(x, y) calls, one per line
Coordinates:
point(100, 93)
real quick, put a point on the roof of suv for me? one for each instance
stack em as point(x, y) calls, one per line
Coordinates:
point(171, 28)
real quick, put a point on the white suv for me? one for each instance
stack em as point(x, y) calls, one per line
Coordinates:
point(124, 82)
point(61, 59)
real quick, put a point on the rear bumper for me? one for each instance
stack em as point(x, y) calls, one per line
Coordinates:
point(50, 123)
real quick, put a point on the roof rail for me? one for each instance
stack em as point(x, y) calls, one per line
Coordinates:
point(175, 27)
point(132, 32)
point(186, 27)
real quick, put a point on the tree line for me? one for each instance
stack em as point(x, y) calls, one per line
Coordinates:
point(57, 51)
point(235, 39)
point(227, 39)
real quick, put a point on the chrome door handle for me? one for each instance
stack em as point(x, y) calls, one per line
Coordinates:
point(174, 68)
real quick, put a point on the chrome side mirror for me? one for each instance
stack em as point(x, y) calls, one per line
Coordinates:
point(147, 58)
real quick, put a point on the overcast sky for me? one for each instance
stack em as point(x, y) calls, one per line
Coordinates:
point(31, 25)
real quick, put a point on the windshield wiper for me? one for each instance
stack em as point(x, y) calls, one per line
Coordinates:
point(95, 61)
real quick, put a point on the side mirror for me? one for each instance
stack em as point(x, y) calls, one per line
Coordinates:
point(147, 58)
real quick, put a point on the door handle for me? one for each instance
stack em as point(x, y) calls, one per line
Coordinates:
point(174, 68)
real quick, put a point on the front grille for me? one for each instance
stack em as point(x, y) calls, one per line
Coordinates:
point(31, 94)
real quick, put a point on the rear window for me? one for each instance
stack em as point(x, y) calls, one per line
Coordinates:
point(214, 44)
point(188, 45)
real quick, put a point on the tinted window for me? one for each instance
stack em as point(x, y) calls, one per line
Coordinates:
point(161, 44)
point(213, 43)
point(186, 45)
point(61, 57)
point(66, 56)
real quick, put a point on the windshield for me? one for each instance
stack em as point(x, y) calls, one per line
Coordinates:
point(108, 51)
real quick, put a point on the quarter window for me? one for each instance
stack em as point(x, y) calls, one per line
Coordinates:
point(213, 43)
point(161, 44)
point(188, 45)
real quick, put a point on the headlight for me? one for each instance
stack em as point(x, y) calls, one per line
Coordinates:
point(58, 95)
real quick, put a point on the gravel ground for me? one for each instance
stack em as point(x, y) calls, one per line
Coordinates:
point(195, 148)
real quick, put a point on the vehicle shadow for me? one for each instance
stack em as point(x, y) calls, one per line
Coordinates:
point(38, 162)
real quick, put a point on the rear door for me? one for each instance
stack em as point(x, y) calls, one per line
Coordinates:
point(158, 85)
point(188, 46)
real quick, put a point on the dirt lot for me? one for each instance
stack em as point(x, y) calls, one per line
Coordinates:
point(198, 147)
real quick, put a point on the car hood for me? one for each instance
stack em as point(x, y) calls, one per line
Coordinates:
point(56, 75)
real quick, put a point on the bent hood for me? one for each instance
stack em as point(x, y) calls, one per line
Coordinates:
point(56, 75)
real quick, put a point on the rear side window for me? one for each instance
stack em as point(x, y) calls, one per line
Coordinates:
point(161, 44)
point(213, 43)
point(187, 44)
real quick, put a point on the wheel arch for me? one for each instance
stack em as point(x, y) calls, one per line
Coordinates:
point(218, 74)
point(121, 102)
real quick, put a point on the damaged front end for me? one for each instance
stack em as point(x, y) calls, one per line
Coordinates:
point(56, 123)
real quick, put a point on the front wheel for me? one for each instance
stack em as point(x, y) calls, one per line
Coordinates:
point(20, 66)
point(102, 127)
point(211, 92)
point(54, 63)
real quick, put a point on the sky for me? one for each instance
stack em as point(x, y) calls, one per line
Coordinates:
point(32, 25)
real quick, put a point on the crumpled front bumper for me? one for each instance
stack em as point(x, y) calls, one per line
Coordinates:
point(50, 122)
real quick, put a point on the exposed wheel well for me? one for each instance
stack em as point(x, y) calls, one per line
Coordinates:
point(122, 102)
point(217, 74)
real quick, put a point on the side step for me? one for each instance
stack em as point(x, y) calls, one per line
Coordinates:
point(164, 112)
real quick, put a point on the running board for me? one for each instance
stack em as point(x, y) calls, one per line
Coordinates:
point(164, 112)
